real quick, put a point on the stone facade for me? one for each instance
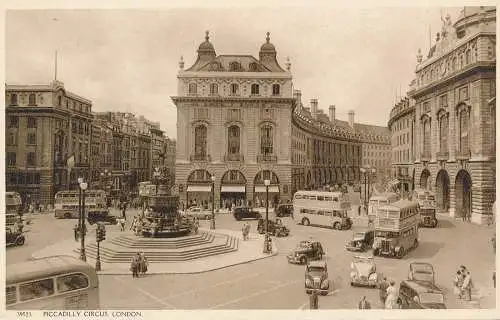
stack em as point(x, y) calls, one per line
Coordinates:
point(239, 122)
point(454, 94)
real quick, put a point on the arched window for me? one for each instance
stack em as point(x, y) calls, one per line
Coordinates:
point(463, 117)
point(253, 67)
point(255, 89)
point(266, 139)
point(234, 66)
point(214, 88)
point(276, 89)
point(233, 140)
point(32, 99)
point(200, 141)
point(443, 133)
point(13, 99)
point(427, 137)
point(193, 88)
point(234, 88)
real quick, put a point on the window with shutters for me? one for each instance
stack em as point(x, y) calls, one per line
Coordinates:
point(234, 89)
point(200, 138)
point(255, 89)
point(233, 138)
point(266, 139)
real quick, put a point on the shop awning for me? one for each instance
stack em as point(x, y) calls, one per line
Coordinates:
point(263, 189)
point(232, 189)
point(199, 188)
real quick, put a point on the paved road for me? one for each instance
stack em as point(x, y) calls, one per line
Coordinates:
point(273, 283)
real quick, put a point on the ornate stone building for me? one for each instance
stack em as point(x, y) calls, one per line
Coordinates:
point(45, 124)
point(401, 125)
point(454, 93)
point(240, 121)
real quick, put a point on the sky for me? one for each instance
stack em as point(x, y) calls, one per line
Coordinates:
point(356, 58)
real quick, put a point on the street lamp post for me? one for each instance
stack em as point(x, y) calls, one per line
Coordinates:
point(212, 222)
point(266, 238)
point(82, 186)
point(105, 176)
point(363, 172)
point(370, 174)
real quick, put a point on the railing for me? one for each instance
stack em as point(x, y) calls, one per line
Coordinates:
point(200, 157)
point(462, 154)
point(442, 155)
point(267, 158)
point(234, 157)
point(425, 156)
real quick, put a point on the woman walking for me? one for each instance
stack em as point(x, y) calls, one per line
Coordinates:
point(392, 296)
point(143, 263)
point(134, 266)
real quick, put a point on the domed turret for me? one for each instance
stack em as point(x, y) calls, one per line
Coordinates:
point(267, 49)
point(206, 49)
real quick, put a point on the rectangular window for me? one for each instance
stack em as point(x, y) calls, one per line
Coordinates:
point(10, 295)
point(31, 138)
point(12, 139)
point(72, 282)
point(11, 158)
point(426, 106)
point(13, 122)
point(463, 93)
point(36, 289)
point(31, 122)
point(443, 101)
point(30, 159)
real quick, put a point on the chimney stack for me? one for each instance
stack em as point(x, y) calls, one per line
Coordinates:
point(314, 108)
point(350, 115)
point(332, 113)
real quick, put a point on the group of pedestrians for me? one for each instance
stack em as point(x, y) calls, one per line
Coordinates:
point(139, 265)
point(462, 284)
point(388, 296)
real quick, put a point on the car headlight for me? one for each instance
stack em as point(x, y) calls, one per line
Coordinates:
point(353, 274)
point(324, 284)
point(308, 282)
point(373, 277)
point(396, 249)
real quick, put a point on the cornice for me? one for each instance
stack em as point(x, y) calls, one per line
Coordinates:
point(176, 99)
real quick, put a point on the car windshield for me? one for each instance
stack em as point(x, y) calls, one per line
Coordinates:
point(304, 245)
point(428, 297)
point(362, 260)
point(386, 234)
point(315, 271)
point(359, 235)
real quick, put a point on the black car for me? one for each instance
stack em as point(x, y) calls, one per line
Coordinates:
point(14, 238)
point(275, 228)
point(101, 216)
point(419, 291)
point(306, 251)
point(284, 210)
point(245, 213)
point(362, 240)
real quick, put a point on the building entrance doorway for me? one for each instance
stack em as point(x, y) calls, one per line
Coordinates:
point(463, 195)
point(443, 191)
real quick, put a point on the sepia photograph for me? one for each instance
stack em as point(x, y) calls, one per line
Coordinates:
point(287, 158)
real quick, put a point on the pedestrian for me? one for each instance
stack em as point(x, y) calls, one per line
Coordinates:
point(457, 284)
point(383, 290)
point(143, 263)
point(75, 230)
point(467, 286)
point(364, 304)
point(124, 208)
point(153, 228)
point(134, 265)
point(392, 296)
point(122, 224)
point(245, 230)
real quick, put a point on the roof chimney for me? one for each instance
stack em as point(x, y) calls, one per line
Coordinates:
point(314, 108)
point(332, 113)
point(350, 115)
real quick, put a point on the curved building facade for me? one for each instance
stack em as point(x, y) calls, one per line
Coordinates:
point(454, 129)
point(240, 122)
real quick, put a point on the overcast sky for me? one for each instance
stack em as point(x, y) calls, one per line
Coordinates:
point(127, 60)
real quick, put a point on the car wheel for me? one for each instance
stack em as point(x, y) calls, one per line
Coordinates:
point(337, 226)
point(20, 241)
point(305, 221)
point(435, 223)
point(303, 260)
point(319, 256)
point(401, 253)
point(207, 217)
point(375, 252)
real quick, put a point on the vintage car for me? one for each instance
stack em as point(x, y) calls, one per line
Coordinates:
point(284, 210)
point(200, 213)
point(427, 201)
point(419, 291)
point(245, 213)
point(316, 277)
point(101, 216)
point(305, 251)
point(274, 227)
point(362, 240)
point(364, 272)
point(14, 238)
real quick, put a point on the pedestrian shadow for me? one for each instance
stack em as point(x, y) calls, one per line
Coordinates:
point(425, 250)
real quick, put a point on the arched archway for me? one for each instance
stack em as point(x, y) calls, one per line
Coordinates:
point(199, 188)
point(233, 189)
point(442, 191)
point(463, 194)
point(260, 188)
point(424, 179)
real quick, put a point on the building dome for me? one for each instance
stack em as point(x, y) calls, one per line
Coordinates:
point(206, 47)
point(267, 47)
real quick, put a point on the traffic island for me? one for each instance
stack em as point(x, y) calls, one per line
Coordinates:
point(208, 250)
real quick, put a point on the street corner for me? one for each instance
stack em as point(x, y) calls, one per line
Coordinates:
point(65, 247)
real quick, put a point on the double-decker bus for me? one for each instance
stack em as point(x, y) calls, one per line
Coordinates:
point(52, 283)
point(427, 202)
point(13, 207)
point(66, 203)
point(322, 208)
point(396, 228)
